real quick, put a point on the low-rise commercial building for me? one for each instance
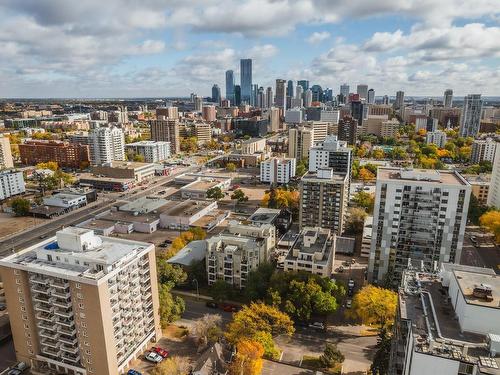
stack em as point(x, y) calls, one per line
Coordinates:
point(313, 251)
point(125, 170)
point(198, 188)
point(65, 200)
point(445, 322)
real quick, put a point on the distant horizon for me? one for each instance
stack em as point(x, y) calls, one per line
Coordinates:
point(129, 49)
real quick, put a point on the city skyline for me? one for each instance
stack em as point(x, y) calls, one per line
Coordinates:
point(156, 49)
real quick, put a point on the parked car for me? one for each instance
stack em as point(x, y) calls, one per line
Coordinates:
point(211, 304)
point(317, 325)
point(353, 261)
point(230, 308)
point(350, 284)
point(18, 369)
point(133, 372)
point(160, 351)
point(346, 263)
point(348, 304)
point(154, 357)
point(340, 269)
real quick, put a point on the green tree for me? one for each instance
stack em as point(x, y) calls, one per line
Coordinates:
point(189, 145)
point(239, 195)
point(355, 220)
point(374, 305)
point(398, 153)
point(364, 200)
point(215, 193)
point(221, 291)
point(139, 158)
point(301, 168)
point(475, 210)
point(20, 206)
point(171, 307)
point(331, 356)
point(230, 167)
point(171, 274)
point(258, 281)
point(380, 364)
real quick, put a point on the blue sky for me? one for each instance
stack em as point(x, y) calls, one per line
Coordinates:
point(135, 48)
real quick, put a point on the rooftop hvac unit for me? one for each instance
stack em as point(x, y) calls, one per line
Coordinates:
point(493, 344)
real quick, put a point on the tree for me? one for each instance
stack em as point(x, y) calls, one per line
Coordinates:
point(220, 291)
point(378, 154)
point(215, 193)
point(301, 294)
point(374, 305)
point(239, 195)
point(398, 153)
point(476, 210)
point(281, 198)
point(301, 168)
point(171, 274)
point(380, 364)
point(355, 220)
point(259, 322)
point(331, 356)
point(491, 221)
point(364, 200)
point(139, 158)
point(258, 281)
point(20, 206)
point(366, 175)
point(171, 307)
point(230, 167)
point(52, 165)
point(171, 366)
point(207, 328)
point(248, 359)
point(189, 144)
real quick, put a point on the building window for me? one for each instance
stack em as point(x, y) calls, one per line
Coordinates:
point(26, 326)
point(18, 281)
point(79, 295)
point(16, 272)
point(21, 299)
point(81, 306)
point(84, 325)
point(78, 286)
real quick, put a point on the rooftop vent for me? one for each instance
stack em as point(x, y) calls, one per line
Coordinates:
point(483, 291)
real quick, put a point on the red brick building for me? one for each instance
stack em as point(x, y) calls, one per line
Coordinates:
point(68, 155)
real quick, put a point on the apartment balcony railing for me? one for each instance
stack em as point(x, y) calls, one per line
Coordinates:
point(59, 284)
point(43, 307)
point(70, 349)
point(38, 279)
point(72, 341)
point(55, 352)
point(61, 293)
point(62, 303)
point(42, 289)
point(66, 331)
point(64, 313)
point(42, 298)
point(70, 357)
point(45, 316)
point(66, 322)
point(48, 335)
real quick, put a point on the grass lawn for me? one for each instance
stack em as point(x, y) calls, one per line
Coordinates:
point(175, 332)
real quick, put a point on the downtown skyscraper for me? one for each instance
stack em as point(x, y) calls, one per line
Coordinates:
point(230, 86)
point(246, 80)
point(471, 115)
point(280, 100)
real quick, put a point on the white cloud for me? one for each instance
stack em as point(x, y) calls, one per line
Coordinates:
point(318, 37)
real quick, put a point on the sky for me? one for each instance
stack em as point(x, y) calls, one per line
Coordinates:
point(162, 48)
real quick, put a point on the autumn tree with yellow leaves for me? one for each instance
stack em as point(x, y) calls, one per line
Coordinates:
point(374, 305)
point(491, 221)
point(248, 359)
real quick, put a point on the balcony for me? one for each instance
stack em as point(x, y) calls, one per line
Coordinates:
point(69, 349)
point(42, 298)
point(45, 316)
point(125, 304)
point(146, 296)
point(144, 271)
point(44, 324)
point(38, 280)
point(69, 323)
point(61, 303)
point(59, 284)
point(43, 307)
point(38, 288)
point(55, 352)
point(65, 313)
point(48, 335)
point(148, 303)
point(143, 262)
point(72, 341)
point(66, 331)
point(64, 294)
point(71, 358)
point(135, 279)
point(146, 288)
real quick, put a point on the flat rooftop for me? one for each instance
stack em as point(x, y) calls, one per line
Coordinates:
point(202, 185)
point(264, 215)
point(96, 224)
point(421, 176)
point(110, 252)
point(126, 165)
point(129, 217)
point(468, 280)
point(186, 208)
point(143, 205)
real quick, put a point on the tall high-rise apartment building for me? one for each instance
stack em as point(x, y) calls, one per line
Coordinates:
point(289, 89)
point(362, 91)
point(308, 98)
point(198, 103)
point(448, 98)
point(169, 112)
point(153, 152)
point(299, 93)
point(216, 94)
point(323, 199)
point(400, 100)
point(348, 130)
point(494, 191)
point(261, 98)
point(203, 132)
point(237, 95)
point(471, 115)
point(269, 97)
point(484, 150)
point(419, 214)
point(230, 86)
point(166, 130)
point(302, 138)
point(6, 160)
point(11, 183)
point(280, 100)
point(246, 80)
point(209, 113)
point(344, 91)
point(81, 303)
point(371, 96)
point(107, 143)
